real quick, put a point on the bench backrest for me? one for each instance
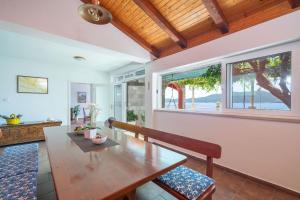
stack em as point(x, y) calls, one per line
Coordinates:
point(209, 149)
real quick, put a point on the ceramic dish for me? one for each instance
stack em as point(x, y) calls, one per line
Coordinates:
point(99, 139)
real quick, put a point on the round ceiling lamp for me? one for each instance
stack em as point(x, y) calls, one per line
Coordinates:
point(79, 58)
point(95, 14)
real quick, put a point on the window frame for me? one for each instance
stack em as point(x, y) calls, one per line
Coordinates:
point(183, 69)
point(293, 46)
point(229, 98)
point(257, 53)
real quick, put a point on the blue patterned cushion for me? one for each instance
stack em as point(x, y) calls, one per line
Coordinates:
point(18, 160)
point(19, 187)
point(186, 181)
point(20, 149)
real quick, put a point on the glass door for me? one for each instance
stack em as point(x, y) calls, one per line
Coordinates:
point(118, 99)
point(135, 101)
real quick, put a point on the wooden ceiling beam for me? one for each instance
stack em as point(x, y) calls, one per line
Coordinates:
point(130, 33)
point(161, 21)
point(294, 3)
point(259, 17)
point(216, 14)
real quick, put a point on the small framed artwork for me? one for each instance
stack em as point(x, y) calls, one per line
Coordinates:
point(81, 97)
point(30, 84)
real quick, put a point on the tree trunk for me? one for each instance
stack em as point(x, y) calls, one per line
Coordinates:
point(262, 81)
point(193, 98)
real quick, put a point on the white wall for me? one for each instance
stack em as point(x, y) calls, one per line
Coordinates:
point(80, 87)
point(102, 98)
point(266, 150)
point(41, 106)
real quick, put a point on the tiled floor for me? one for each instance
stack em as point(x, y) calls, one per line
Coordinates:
point(229, 186)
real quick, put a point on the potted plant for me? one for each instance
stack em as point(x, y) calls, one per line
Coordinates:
point(94, 112)
point(76, 111)
point(12, 119)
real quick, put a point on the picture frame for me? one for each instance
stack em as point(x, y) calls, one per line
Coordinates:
point(32, 84)
point(81, 97)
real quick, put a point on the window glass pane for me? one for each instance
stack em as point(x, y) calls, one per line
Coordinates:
point(261, 83)
point(192, 90)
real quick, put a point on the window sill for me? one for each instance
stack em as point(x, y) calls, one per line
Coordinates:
point(287, 119)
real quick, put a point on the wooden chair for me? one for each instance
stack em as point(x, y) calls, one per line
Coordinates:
point(86, 118)
point(205, 183)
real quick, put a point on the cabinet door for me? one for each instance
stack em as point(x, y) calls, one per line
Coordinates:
point(6, 138)
point(20, 133)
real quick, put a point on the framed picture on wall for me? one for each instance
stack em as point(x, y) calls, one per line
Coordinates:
point(30, 84)
point(81, 97)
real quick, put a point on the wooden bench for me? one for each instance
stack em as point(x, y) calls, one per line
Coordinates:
point(205, 184)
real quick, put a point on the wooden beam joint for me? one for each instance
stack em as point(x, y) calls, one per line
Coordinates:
point(294, 3)
point(130, 33)
point(216, 14)
point(160, 20)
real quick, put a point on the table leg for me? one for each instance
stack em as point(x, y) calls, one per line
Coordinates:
point(131, 195)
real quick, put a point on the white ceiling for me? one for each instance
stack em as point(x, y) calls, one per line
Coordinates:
point(61, 18)
point(25, 43)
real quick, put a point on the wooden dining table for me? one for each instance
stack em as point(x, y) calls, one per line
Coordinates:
point(105, 173)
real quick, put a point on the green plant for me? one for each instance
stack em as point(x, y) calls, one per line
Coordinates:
point(76, 110)
point(208, 81)
point(131, 116)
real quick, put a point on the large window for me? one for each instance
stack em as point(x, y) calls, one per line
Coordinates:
point(260, 83)
point(193, 90)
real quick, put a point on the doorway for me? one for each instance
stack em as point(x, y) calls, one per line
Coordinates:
point(129, 101)
point(82, 95)
point(135, 101)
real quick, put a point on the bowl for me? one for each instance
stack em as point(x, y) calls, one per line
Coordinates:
point(14, 121)
point(99, 140)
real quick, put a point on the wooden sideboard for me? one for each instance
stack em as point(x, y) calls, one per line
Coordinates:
point(25, 132)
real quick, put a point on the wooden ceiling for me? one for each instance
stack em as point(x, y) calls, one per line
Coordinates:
point(164, 27)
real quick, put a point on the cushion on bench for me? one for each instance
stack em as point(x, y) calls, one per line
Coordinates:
point(18, 160)
point(18, 172)
point(22, 186)
point(186, 181)
point(20, 149)
point(14, 165)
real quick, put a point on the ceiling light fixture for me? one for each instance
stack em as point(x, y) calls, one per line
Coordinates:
point(79, 58)
point(94, 13)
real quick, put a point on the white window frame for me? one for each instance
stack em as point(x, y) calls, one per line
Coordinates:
point(182, 70)
point(295, 51)
point(294, 47)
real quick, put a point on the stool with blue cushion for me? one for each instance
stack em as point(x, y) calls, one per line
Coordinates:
point(182, 182)
point(185, 183)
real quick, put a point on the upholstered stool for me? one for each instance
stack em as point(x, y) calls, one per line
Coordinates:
point(187, 182)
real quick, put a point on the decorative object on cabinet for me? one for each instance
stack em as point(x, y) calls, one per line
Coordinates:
point(12, 119)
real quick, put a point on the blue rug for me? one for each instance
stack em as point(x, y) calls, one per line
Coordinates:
point(18, 172)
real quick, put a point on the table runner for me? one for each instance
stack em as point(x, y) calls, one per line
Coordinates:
point(87, 145)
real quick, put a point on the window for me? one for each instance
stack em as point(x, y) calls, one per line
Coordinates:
point(261, 83)
point(193, 90)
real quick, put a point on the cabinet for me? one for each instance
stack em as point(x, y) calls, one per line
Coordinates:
point(26, 132)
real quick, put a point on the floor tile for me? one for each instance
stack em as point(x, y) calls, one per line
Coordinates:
point(229, 186)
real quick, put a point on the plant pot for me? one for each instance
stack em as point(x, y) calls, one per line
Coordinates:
point(14, 121)
point(89, 134)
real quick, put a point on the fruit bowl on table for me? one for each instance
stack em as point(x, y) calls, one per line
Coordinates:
point(99, 139)
point(82, 130)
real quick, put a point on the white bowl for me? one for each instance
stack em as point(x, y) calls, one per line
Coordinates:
point(99, 140)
